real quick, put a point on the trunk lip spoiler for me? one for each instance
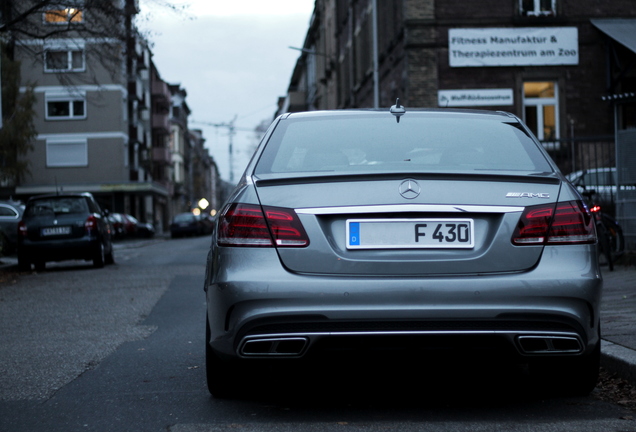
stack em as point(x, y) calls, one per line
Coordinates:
point(287, 179)
point(410, 208)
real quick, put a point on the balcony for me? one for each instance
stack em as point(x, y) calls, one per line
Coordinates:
point(161, 155)
point(160, 90)
point(161, 123)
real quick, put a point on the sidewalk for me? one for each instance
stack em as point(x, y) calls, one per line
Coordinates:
point(618, 322)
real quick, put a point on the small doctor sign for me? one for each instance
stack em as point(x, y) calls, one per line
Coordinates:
point(476, 97)
point(529, 46)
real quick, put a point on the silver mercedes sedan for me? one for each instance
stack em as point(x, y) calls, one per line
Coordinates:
point(403, 230)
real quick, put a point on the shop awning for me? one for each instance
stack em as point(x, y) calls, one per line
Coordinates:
point(622, 30)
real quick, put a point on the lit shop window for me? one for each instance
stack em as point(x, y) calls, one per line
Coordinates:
point(64, 60)
point(57, 109)
point(537, 8)
point(64, 16)
point(540, 108)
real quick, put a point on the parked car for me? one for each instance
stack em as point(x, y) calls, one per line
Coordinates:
point(129, 224)
point(207, 223)
point(185, 224)
point(10, 215)
point(601, 180)
point(117, 223)
point(403, 232)
point(64, 227)
point(142, 229)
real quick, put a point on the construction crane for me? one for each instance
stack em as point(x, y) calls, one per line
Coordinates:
point(231, 128)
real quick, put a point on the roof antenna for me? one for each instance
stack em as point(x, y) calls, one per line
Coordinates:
point(397, 110)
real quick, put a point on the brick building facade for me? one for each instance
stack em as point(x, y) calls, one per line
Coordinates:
point(550, 62)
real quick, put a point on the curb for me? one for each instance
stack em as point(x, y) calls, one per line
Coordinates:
point(619, 360)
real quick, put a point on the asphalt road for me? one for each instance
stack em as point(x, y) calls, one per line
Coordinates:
point(121, 349)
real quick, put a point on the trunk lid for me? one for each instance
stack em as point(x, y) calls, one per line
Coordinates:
point(490, 205)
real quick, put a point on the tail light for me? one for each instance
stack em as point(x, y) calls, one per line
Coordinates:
point(22, 229)
point(91, 223)
point(561, 223)
point(253, 225)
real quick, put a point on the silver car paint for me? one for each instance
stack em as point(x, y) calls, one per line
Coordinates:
point(245, 285)
point(253, 285)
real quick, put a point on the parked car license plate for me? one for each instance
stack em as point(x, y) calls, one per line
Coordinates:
point(59, 230)
point(410, 233)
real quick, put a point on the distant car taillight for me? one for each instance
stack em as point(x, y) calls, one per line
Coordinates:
point(22, 229)
point(251, 225)
point(561, 223)
point(91, 223)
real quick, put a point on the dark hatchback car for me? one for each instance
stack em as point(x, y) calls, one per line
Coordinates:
point(10, 215)
point(403, 233)
point(64, 227)
point(186, 224)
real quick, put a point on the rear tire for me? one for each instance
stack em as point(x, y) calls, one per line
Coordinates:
point(109, 258)
point(223, 377)
point(574, 376)
point(582, 375)
point(99, 257)
point(5, 249)
point(23, 263)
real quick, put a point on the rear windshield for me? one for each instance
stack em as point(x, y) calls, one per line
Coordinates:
point(351, 144)
point(57, 206)
point(184, 217)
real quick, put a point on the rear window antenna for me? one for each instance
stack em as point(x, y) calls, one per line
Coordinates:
point(397, 110)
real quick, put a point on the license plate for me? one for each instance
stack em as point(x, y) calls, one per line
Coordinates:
point(410, 234)
point(53, 231)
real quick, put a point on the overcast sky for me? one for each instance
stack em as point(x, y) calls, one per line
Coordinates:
point(233, 59)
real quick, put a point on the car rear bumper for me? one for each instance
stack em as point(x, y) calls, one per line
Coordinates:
point(59, 250)
point(258, 309)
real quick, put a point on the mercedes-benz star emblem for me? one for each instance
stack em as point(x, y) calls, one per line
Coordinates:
point(409, 189)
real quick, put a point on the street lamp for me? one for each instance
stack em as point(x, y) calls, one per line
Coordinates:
point(203, 203)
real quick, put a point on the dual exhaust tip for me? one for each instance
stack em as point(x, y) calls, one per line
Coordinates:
point(549, 344)
point(275, 347)
point(296, 346)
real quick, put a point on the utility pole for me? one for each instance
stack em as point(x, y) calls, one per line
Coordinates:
point(376, 66)
point(231, 128)
point(0, 90)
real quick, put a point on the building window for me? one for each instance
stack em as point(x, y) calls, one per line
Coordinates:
point(537, 8)
point(65, 109)
point(64, 60)
point(67, 153)
point(540, 108)
point(64, 16)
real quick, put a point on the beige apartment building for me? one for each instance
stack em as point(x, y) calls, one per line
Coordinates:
point(105, 118)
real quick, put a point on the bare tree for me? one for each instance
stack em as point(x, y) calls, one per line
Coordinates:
point(18, 129)
point(107, 24)
point(63, 36)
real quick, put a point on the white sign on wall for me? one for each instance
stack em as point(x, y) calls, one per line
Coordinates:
point(529, 46)
point(474, 97)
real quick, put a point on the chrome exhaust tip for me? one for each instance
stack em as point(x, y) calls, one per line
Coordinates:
point(275, 347)
point(549, 345)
